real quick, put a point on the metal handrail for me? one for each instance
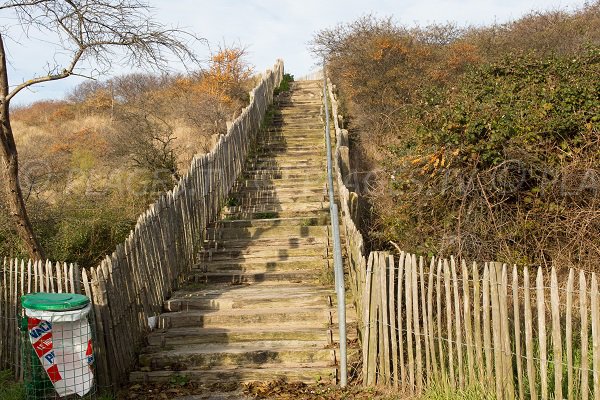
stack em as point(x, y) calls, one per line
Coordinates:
point(337, 247)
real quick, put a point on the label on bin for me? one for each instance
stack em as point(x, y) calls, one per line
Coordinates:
point(40, 335)
point(66, 353)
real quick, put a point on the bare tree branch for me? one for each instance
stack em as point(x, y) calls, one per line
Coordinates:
point(98, 31)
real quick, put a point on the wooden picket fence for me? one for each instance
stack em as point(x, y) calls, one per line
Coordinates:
point(521, 335)
point(436, 323)
point(19, 277)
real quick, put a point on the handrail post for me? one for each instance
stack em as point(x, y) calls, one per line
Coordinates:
point(340, 288)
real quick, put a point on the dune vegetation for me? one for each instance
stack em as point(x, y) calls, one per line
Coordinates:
point(90, 164)
point(482, 142)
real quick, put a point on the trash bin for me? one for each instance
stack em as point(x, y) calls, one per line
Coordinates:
point(57, 346)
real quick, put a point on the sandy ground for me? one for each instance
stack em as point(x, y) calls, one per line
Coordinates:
point(256, 390)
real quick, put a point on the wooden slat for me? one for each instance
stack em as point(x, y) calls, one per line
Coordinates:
point(487, 332)
point(556, 335)
point(378, 285)
point(399, 320)
point(507, 362)
point(477, 323)
point(595, 337)
point(458, 322)
point(385, 322)
point(409, 323)
point(517, 331)
point(372, 327)
point(583, 315)
point(393, 318)
point(449, 320)
point(541, 313)
point(366, 320)
point(569, 335)
point(441, 351)
point(497, 333)
point(59, 278)
point(416, 326)
point(430, 333)
point(467, 313)
point(531, 373)
point(423, 312)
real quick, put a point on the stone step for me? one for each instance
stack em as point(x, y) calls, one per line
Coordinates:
point(267, 232)
point(291, 147)
point(237, 278)
point(285, 176)
point(250, 199)
point(256, 253)
point(248, 354)
point(262, 265)
point(286, 159)
point(190, 336)
point(269, 213)
point(304, 100)
point(312, 170)
point(265, 184)
point(282, 151)
point(308, 373)
point(246, 297)
point(311, 182)
point(229, 318)
point(248, 245)
point(269, 223)
point(275, 210)
point(294, 135)
point(283, 193)
point(315, 167)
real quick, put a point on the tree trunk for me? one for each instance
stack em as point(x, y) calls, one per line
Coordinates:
point(10, 169)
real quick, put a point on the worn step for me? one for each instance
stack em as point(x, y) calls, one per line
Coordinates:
point(266, 232)
point(282, 178)
point(228, 318)
point(283, 164)
point(299, 183)
point(188, 336)
point(296, 139)
point(312, 373)
point(291, 147)
point(274, 214)
point(242, 255)
point(249, 354)
point(249, 200)
point(262, 265)
point(281, 193)
point(248, 245)
point(298, 151)
point(238, 297)
point(276, 210)
point(236, 278)
point(246, 223)
point(286, 158)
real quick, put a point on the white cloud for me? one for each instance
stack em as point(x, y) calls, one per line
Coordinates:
point(278, 28)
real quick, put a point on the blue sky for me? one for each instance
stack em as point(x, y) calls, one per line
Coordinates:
point(270, 29)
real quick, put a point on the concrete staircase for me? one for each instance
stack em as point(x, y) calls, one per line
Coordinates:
point(260, 305)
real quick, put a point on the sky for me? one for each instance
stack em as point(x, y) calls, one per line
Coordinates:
point(269, 29)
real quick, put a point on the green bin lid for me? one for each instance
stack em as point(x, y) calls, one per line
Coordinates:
point(54, 301)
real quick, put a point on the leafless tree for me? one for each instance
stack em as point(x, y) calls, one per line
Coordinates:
point(94, 31)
